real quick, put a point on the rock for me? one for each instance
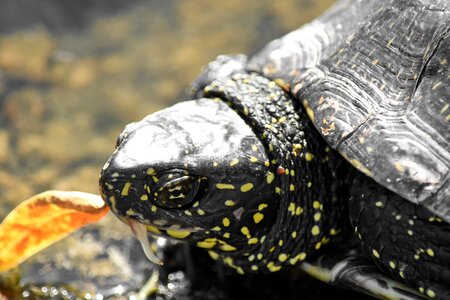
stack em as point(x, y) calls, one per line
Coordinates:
point(24, 109)
point(26, 54)
point(5, 149)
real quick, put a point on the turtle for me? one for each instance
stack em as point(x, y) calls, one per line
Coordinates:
point(328, 149)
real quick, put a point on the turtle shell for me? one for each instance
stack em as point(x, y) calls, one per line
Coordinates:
point(374, 78)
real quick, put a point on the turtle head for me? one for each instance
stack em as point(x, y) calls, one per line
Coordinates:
point(195, 172)
point(241, 172)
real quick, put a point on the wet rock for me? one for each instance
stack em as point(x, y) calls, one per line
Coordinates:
point(82, 73)
point(26, 54)
point(5, 149)
point(24, 109)
point(84, 176)
point(13, 190)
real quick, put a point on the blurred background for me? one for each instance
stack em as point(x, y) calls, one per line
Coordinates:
point(72, 75)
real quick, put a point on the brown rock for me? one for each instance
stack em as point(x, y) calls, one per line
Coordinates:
point(26, 54)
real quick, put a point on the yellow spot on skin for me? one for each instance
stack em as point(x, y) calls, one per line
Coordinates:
point(150, 171)
point(282, 257)
point(205, 245)
point(200, 212)
point(188, 213)
point(392, 264)
point(229, 203)
point(270, 177)
point(280, 243)
point(299, 211)
point(379, 204)
point(375, 253)
point(258, 217)
point(430, 252)
point(267, 164)
point(253, 241)
point(318, 245)
point(402, 275)
point(299, 257)
point(227, 247)
point(246, 187)
point(399, 167)
point(216, 228)
point(234, 162)
point(229, 262)
point(309, 184)
point(292, 173)
point(254, 268)
point(240, 270)
point(245, 231)
point(416, 256)
point(213, 255)
point(178, 234)
point(126, 188)
point(333, 231)
point(316, 204)
point(251, 257)
point(152, 229)
point(309, 156)
point(317, 216)
point(263, 239)
point(315, 230)
point(421, 289)
point(291, 207)
point(226, 222)
point(259, 256)
point(225, 186)
point(226, 235)
point(292, 187)
point(431, 293)
point(278, 190)
point(298, 147)
point(154, 208)
point(262, 206)
point(144, 197)
point(272, 267)
point(253, 159)
point(254, 148)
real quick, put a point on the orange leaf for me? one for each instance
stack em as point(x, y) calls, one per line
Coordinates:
point(44, 219)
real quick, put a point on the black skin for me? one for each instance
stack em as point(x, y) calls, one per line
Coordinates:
point(261, 188)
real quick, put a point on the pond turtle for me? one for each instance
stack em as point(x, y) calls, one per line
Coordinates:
point(330, 149)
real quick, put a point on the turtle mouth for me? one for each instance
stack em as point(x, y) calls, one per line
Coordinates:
point(141, 230)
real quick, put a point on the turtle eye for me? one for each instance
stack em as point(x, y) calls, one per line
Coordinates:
point(178, 192)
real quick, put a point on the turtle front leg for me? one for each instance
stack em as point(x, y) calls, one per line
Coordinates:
point(403, 239)
point(357, 273)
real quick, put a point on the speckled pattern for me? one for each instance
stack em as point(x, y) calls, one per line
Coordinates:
point(258, 186)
